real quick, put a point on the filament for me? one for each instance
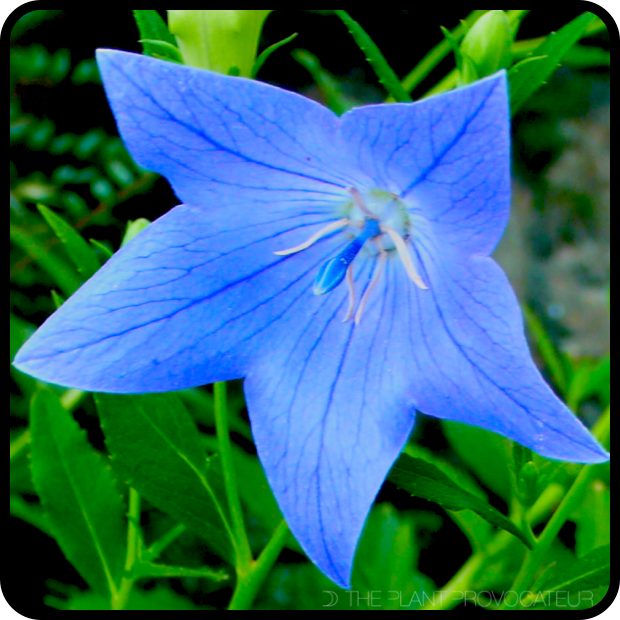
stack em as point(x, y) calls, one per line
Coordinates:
point(351, 286)
point(373, 283)
point(326, 230)
point(404, 256)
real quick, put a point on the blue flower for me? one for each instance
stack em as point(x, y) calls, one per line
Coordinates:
point(340, 265)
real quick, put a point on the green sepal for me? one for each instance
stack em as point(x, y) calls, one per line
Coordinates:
point(162, 50)
point(152, 26)
point(264, 55)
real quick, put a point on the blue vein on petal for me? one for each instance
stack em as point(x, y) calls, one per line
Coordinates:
point(214, 142)
point(463, 351)
point(195, 302)
point(450, 145)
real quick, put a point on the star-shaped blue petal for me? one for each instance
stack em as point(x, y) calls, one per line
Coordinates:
point(410, 199)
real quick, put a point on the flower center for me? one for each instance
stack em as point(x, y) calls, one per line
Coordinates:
point(380, 225)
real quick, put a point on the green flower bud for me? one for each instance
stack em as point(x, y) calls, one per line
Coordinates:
point(487, 47)
point(133, 228)
point(222, 41)
point(528, 483)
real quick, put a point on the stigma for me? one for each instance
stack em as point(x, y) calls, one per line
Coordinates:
point(379, 220)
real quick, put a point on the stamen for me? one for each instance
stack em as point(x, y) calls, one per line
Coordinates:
point(373, 283)
point(359, 203)
point(351, 286)
point(326, 230)
point(404, 256)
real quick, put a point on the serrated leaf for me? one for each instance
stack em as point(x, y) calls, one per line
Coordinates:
point(78, 494)
point(580, 584)
point(382, 69)
point(82, 255)
point(527, 78)
point(155, 446)
point(422, 479)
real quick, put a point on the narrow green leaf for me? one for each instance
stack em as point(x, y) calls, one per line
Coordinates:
point(422, 479)
point(155, 446)
point(260, 61)
point(580, 584)
point(60, 270)
point(106, 252)
point(162, 50)
point(78, 493)
point(525, 79)
point(152, 26)
point(554, 360)
point(334, 98)
point(384, 72)
point(82, 255)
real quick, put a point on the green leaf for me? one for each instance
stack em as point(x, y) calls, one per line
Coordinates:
point(82, 255)
point(153, 27)
point(264, 55)
point(162, 50)
point(384, 72)
point(337, 101)
point(486, 453)
point(78, 494)
point(527, 78)
point(422, 479)
point(554, 360)
point(156, 39)
point(580, 584)
point(155, 446)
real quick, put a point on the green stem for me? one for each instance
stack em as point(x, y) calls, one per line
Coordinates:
point(121, 596)
point(242, 546)
point(438, 53)
point(249, 584)
point(569, 504)
point(18, 444)
point(535, 558)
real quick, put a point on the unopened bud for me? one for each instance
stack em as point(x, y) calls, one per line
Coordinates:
point(487, 47)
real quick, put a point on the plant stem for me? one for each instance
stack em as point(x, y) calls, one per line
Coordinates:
point(121, 596)
point(438, 53)
point(248, 585)
point(571, 500)
point(242, 546)
point(535, 558)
